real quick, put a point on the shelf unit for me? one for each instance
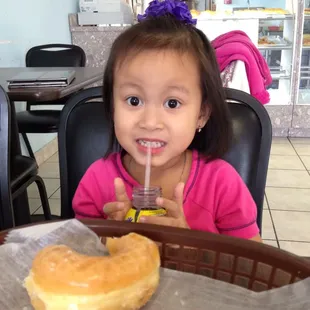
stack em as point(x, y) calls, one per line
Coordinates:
point(303, 97)
point(278, 56)
point(289, 107)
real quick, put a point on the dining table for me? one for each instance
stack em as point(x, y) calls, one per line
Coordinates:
point(84, 77)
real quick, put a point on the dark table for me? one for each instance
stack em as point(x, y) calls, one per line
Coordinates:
point(84, 77)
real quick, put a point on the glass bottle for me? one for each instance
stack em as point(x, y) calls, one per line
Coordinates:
point(145, 197)
point(144, 203)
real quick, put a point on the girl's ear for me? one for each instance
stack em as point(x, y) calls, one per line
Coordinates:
point(204, 116)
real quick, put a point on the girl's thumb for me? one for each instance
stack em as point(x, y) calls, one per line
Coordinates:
point(120, 190)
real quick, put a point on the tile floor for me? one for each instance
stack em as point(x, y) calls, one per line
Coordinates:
point(286, 217)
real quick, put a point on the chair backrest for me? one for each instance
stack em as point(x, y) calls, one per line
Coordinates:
point(250, 150)
point(6, 209)
point(84, 121)
point(83, 138)
point(56, 55)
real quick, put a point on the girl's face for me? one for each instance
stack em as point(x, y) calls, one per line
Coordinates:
point(157, 102)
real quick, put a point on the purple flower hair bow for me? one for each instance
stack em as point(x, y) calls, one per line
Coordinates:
point(177, 8)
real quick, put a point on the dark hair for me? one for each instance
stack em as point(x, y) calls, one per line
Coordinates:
point(162, 33)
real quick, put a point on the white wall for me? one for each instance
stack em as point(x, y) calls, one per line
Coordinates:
point(26, 23)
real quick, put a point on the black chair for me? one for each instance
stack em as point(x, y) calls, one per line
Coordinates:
point(17, 171)
point(47, 121)
point(83, 138)
point(250, 150)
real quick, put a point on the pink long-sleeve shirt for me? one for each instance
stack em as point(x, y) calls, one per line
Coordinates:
point(215, 197)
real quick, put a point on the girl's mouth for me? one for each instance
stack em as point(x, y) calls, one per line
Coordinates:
point(152, 144)
point(156, 145)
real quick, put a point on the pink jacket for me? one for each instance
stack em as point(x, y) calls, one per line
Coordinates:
point(236, 45)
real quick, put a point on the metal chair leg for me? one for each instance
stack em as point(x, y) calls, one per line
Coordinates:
point(44, 199)
point(28, 146)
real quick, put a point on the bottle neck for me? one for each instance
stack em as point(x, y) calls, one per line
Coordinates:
point(145, 198)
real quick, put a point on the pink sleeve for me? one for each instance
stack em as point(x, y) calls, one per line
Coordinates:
point(87, 199)
point(236, 211)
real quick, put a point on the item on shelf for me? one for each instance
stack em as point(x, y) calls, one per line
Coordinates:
point(276, 11)
point(273, 41)
point(264, 41)
point(261, 11)
point(195, 13)
point(212, 13)
point(306, 39)
point(307, 11)
point(105, 12)
point(274, 28)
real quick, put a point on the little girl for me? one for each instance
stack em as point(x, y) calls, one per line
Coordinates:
point(162, 89)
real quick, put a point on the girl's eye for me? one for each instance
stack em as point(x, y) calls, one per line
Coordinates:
point(134, 101)
point(172, 104)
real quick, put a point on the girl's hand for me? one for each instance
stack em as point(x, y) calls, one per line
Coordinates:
point(175, 215)
point(117, 210)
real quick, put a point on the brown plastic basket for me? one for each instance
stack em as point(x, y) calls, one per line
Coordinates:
point(245, 263)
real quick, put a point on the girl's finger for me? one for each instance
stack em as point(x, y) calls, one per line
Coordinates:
point(158, 220)
point(165, 221)
point(179, 194)
point(115, 217)
point(120, 190)
point(113, 207)
point(171, 207)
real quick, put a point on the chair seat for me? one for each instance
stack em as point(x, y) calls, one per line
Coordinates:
point(22, 169)
point(39, 121)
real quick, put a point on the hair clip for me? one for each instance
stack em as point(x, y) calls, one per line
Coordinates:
point(176, 8)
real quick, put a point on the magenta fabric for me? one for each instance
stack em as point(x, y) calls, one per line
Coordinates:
point(236, 45)
point(215, 197)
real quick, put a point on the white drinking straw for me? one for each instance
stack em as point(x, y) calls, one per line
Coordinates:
point(148, 167)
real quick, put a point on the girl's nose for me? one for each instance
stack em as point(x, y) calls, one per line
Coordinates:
point(150, 117)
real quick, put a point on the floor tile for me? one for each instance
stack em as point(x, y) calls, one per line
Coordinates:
point(280, 140)
point(300, 140)
point(51, 186)
point(49, 170)
point(32, 191)
point(293, 199)
point(267, 227)
point(34, 205)
point(288, 178)
point(282, 149)
point(271, 242)
point(302, 149)
point(54, 206)
point(285, 162)
point(292, 225)
point(265, 206)
point(298, 248)
point(56, 195)
point(53, 159)
point(306, 161)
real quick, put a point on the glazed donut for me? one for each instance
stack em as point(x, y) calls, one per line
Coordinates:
point(63, 279)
